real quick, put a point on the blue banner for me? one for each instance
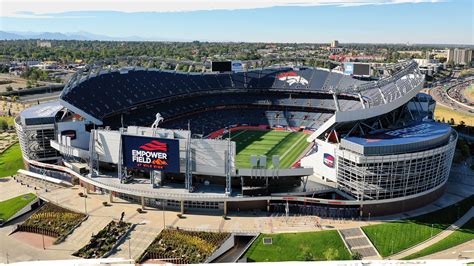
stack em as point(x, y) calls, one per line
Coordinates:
point(149, 153)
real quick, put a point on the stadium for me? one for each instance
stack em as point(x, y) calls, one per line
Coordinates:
point(281, 139)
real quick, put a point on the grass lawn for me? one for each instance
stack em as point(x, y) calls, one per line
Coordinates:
point(448, 113)
point(393, 237)
point(289, 145)
point(324, 245)
point(462, 235)
point(11, 161)
point(9, 207)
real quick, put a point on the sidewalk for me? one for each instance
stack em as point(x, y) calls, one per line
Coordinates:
point(456, 225)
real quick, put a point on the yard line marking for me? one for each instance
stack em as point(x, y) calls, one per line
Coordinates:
point(291, 148)
point(239, 133)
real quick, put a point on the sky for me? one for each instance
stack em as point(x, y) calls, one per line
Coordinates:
point(315, 21)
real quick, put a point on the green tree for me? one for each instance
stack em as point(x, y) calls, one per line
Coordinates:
point(331, 254)
point(356, 256)
point(3, 124)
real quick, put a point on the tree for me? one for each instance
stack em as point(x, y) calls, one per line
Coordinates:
point(306, 255)
point(9, 88)
point(3, 124)
point(331, 254)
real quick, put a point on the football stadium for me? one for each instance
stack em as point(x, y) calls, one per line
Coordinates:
point(282, 139)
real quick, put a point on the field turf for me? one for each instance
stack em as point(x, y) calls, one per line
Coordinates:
point(11, 161)
point(323, 245)
point(10, 207)
point(461, 235)
point(393, 237)
point(288, 145)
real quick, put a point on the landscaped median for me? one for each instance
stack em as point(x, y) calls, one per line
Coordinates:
point(458, 237)
point(393, 237)
point(10, 207)
point(323, 245)
point(104, 241)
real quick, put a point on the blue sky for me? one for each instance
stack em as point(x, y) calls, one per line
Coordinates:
point(374, 21)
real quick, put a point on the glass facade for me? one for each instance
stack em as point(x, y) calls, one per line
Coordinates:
point(394, 176)
point(35, 141)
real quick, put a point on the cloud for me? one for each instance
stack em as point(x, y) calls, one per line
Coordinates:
point(57, 8)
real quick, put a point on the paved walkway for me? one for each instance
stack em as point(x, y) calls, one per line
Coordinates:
point(463, 251)
point(358, 242)
point(81, 235)
point(10, 189)
point(136, 242)
point(151, 221)
point(456, 225)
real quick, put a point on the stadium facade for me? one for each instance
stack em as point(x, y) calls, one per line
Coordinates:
point(160, 138)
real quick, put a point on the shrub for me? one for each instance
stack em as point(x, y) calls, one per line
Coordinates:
point(356, 256)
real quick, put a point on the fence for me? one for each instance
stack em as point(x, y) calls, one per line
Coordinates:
point(36, 230)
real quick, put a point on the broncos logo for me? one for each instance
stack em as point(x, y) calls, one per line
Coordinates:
point(292, 78)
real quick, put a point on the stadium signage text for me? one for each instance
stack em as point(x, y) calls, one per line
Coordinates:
point(151, 153)
point(410, 131)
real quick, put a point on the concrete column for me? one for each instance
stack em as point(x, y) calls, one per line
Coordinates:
point(268, 205)
point(88, 189)
point(225, 207)
point(182, 207)
point(111, 197)
point(143, 202)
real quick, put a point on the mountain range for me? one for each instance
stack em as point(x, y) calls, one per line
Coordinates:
point(81, 36)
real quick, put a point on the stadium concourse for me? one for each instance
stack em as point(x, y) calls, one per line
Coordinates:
point(285, 139)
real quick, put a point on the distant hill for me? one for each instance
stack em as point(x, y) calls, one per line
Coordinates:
point(81, 36)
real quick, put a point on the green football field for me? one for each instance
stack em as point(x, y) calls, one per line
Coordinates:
point(288, 145)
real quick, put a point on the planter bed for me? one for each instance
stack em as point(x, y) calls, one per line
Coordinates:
point(104, 241)
point(52, 220)
point(180, 246)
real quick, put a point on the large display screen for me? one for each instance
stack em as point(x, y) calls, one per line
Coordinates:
point(361, 70)
point(222, 66)
point(149, 153)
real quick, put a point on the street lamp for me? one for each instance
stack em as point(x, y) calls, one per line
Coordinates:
point(85, 203)
point(163, 211)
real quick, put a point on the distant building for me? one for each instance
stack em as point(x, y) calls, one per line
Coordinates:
point(428, 66)
point(46, 44)
point(460, 56)
point(334, 44)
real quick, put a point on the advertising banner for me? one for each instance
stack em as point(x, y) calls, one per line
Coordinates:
point(150, 153)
